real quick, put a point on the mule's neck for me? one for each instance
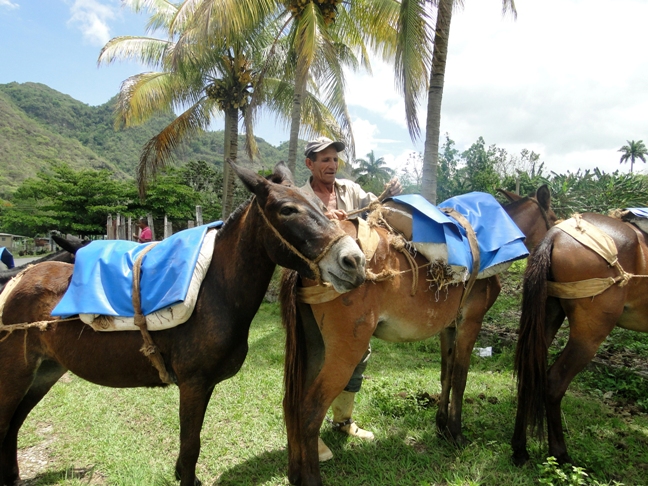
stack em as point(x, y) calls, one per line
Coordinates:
point(242, 263)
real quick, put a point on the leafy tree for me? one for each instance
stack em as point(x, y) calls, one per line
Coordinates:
point(632, 151)
point(480, 167)
point(372, 173)
point(71, 201)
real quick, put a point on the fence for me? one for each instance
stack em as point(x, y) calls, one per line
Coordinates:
point(123, 228)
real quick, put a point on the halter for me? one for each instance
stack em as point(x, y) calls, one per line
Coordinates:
point(312, 264)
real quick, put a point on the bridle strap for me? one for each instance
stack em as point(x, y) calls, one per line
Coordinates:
point(542, 211)
point(312, 264)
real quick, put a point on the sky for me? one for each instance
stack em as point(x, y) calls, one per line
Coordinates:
point(567, 79)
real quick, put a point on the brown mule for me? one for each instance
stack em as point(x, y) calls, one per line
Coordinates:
point(280, 225)
point(321, 353)
point(561, 258)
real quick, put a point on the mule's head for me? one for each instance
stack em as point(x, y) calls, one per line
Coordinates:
point(297, 233)
point(532, 214)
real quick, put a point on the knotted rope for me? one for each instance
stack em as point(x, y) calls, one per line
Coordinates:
point(148, 349)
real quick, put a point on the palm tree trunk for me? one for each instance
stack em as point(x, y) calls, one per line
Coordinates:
point(231, 151)
point(435, 95)
point(295, 121)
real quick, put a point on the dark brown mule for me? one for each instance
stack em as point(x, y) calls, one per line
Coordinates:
point(66, 255)
point(560, 258)
point(280, 225)
point(321, 354)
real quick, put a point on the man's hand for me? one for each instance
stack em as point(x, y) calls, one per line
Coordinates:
point(394, 187)
point(336, 214)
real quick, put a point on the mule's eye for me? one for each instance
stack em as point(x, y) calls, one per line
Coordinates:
point(288, 210)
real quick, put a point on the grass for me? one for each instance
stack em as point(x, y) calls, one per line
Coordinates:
point(95, 435)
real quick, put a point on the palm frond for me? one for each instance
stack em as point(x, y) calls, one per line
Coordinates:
point(159, 150)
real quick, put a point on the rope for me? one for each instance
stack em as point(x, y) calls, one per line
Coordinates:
point(474, 249)
point(148, 349)
point(41, 325)
point(312, 264)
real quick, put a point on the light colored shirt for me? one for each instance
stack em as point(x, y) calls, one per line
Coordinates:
point(349, 195)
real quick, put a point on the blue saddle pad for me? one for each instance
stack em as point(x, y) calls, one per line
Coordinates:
point(6, 257)
point(102, 280)
point(498, 237)
point(639, 212)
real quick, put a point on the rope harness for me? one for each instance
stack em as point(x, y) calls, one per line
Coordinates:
point(600, 242)
point(318, 295)
point(312, 264)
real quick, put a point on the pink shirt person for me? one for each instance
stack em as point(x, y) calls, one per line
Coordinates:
point(145, 232)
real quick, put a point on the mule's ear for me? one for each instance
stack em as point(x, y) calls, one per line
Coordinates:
point(543, 195)
point(67, 245)
point(283, 172)
point(511, 196)
point(253, 181)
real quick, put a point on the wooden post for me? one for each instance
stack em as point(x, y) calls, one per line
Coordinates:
point(199, 219)
point(121, 229)
point(110, 228)
point(168, 227)
point(129, 228)
point(149, 217)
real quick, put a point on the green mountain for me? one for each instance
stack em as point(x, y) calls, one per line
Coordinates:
point(39, 125)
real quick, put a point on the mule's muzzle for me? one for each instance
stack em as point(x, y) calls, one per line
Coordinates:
point(344, 265)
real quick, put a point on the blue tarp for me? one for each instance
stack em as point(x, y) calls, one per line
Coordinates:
point(498, 237)
point(103, 275)
point(6, 257)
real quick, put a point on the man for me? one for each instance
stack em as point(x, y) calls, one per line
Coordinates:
point(339, 197)
point(145, 234)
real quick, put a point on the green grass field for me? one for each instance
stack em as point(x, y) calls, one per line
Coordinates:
point(85, 434)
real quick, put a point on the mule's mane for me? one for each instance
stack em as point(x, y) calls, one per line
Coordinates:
point(233, 217)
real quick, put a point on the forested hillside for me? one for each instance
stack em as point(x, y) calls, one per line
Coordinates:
point(39, 125)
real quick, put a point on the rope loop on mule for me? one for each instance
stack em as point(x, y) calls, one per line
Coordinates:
point(312, 264)
point(148, 349)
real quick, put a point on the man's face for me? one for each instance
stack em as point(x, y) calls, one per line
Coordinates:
point(325, 166)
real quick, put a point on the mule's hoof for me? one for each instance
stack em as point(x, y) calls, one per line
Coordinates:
point(323, 452)
point(520, 458)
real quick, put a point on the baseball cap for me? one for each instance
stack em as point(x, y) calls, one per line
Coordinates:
point(320, 143)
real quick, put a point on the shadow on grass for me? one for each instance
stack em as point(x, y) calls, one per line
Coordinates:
point(87, 474)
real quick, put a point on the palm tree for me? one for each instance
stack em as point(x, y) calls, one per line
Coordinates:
point(213, 76)
point(413, 51)
point(323, 36)
point(372, 173)
point(632, 151)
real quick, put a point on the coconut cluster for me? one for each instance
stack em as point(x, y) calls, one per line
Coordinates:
point(327, 7)
point(233, 91)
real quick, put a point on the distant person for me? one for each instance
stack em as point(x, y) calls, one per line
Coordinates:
point(145, 234)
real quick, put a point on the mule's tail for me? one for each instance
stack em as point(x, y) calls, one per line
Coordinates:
point(295, 360)
point(531, 352)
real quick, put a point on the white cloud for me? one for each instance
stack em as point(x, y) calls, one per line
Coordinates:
point(9, 4)
point(91, 18)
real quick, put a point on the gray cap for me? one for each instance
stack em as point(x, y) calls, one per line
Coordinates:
point(320, 143)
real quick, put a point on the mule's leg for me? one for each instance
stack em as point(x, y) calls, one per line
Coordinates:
point(588, 328)
point(47, 375)
point(448, 337)
point(554, 317)
point(332, 379)
point(194, 398)
point(345, 337)
point(481, 298)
